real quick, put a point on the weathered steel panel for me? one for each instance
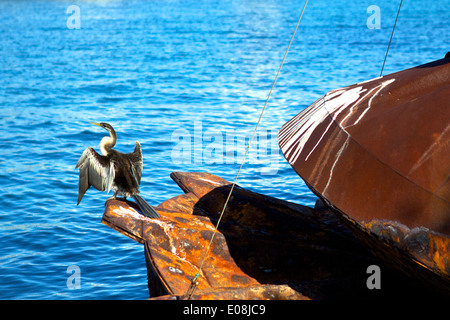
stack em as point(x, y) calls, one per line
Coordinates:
point(381, 148)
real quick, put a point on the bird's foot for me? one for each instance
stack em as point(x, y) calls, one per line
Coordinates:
point(115, 198)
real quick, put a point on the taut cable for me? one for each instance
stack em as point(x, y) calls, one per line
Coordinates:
point(390, 40)
point(194, 282)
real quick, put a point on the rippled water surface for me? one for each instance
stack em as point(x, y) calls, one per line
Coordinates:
point(180, 77)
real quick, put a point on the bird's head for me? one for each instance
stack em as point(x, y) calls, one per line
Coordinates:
point(105, 126)
point(107, 142)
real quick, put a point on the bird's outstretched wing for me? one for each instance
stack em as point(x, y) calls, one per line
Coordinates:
point(136, 162)
point(96, 171)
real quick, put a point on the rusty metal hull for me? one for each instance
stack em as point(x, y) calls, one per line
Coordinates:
point(267, 248)
point(379, 149)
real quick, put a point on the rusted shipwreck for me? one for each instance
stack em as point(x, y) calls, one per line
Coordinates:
point(377, 156)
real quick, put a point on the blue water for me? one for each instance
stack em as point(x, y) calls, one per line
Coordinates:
point(164, 73)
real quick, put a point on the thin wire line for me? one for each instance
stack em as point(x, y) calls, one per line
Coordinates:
point(392, 34)
point(193, 285)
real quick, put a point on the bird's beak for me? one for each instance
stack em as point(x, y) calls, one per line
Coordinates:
point(97, 124)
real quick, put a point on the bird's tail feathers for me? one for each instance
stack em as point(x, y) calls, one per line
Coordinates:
point(146, 209)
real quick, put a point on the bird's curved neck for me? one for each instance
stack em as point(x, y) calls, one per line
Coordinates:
point(108, 143)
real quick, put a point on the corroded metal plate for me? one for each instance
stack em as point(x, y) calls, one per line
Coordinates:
point(379, 149)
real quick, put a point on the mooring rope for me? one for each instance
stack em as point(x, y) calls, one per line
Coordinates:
point(194, 282)
point(390, 40)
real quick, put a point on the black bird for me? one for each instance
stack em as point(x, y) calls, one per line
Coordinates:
point(114, 170)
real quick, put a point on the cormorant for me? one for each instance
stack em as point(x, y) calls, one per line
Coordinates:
point(114, 170)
